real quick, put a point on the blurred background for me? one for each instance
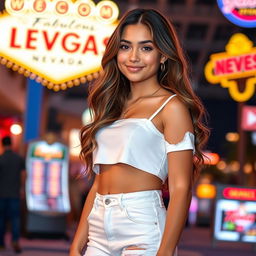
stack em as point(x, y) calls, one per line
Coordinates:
point(223, 210)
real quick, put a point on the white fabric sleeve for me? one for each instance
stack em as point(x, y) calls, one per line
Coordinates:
point(188, 142)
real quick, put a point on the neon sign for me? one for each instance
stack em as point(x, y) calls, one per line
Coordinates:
point(239, 193)
point(239, 61)
point(59, 43)
point(104, 11)
point(239, 12)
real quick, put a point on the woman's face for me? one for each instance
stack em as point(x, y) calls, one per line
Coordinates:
point(137, 58)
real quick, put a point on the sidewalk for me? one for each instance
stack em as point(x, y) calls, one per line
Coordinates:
point(198, 242)
point(40, 247)
point(194, 242)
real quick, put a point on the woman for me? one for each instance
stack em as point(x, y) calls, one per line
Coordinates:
point(145, 119)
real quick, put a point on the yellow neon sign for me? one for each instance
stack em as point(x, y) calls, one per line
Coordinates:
point(239, 61)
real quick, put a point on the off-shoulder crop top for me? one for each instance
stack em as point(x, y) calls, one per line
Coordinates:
point(137, 142)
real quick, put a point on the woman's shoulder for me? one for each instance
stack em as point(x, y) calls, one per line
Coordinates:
point(170, 101)
point(173, 102)
point(175, 111)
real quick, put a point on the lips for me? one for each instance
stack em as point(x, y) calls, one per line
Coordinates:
point(134, 69)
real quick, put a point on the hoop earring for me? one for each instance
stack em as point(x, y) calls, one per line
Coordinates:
point(162, 67)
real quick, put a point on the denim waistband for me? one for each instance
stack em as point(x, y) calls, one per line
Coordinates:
point(140, 198)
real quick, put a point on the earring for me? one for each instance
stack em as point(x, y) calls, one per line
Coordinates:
point(162, 67)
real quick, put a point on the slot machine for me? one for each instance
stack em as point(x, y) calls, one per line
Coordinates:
point(47, 193)
point(235, 214)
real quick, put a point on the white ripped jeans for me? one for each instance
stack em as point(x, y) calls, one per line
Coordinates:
point(119, 221)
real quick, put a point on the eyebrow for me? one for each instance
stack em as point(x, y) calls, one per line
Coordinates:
point(141, 42)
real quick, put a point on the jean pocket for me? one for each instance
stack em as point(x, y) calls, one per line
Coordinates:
point(142, 215)
point(91, 213)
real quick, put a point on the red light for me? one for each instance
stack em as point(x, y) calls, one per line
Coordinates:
point(5, 125)
point(240, 193)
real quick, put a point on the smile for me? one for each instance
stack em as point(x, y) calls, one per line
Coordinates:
point(134, 69)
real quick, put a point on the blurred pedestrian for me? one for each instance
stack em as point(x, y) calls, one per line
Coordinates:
point(12, 181)
point(147, 126)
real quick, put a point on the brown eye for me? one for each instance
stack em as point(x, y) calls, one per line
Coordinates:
point(147, 48)
point(124, 47)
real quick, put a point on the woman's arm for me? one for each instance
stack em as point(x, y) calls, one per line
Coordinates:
point(81, 235)
point(177, 122)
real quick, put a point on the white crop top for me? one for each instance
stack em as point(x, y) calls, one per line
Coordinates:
point(137, 142)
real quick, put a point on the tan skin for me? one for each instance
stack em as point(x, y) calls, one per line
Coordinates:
point(139, 61)
point(113, 178)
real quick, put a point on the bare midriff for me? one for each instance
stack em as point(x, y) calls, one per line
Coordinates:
point(122, 178)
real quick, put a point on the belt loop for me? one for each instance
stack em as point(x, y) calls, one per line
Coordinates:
point(120, 201)
point(96, 202)
point(159, 197)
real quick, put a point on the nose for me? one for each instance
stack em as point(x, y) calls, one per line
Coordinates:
point(134, 55)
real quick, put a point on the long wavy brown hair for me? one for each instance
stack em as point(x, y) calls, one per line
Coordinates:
point(108, 94)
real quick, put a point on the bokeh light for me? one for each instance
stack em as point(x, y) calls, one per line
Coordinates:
point(16, 129)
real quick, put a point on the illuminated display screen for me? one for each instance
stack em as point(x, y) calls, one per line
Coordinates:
point(47, 181)
point(235, 220)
